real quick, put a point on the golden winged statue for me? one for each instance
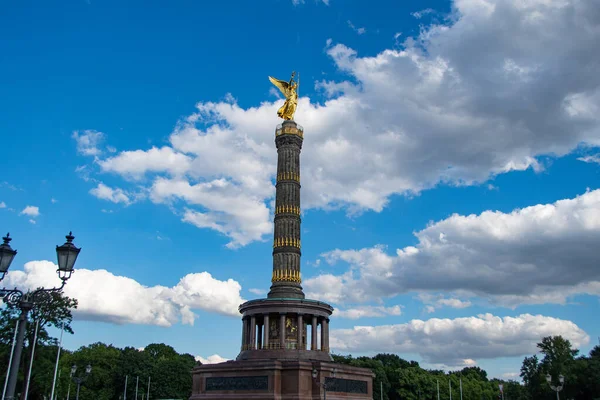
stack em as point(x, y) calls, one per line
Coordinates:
point(290, 91)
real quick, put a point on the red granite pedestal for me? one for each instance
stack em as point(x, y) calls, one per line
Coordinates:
point(280, 380)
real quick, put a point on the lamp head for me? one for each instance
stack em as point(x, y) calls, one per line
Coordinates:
point(88, 369)
point(7, 254)
point(315, 373)
point(548, 378)
point(333, 372)
point(67, 255)
point(561, 379)
point(73, 369)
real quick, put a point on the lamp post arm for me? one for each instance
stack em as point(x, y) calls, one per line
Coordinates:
point(11, 295)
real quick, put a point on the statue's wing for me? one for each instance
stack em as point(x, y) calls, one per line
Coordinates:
point(283, 86)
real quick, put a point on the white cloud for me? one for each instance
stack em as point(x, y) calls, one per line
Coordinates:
point(594, 158)
point(460, 341)
point(114, 195)
point(239, 215)
point(298, 2)
point(32, 221)
point(137, 163)
point(538, 254)
point(436, 301)
point(359, 31)
point(512, 375)
point(422, 13)
point(258, 292)
point(407, 119)
point(88, 142)
point(53, 200)
point(214, 359)
point(368, 311)
point(103, 296)
point(2, 204)
point(31, 211)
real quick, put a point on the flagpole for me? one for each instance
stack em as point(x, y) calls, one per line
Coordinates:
point(37, 326)
point(460, 382)
point(57, 358)
point(438, 388)
point(59, 372)
point(148, 393)
point(136, 387)
point(12, 350)
point(125, 392)
point(450, 387)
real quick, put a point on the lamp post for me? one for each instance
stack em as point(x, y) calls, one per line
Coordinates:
point(26, 301)
point(80, 379)
point(315, 376)
point(558, 388)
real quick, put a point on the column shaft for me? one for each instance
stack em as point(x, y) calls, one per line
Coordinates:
point(299, 330)
point(266, 332)
point(252, 332)
point(282, 331)
point(313, 339)
point(325, 334)
point(322, 348)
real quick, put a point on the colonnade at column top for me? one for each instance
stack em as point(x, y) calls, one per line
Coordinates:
point(263, 332)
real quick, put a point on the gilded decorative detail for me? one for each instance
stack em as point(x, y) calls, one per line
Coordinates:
point(286, 241)
point(289, 130)
point(287, 209)
point(287, 275)
point(290, 91)
point(288, 176)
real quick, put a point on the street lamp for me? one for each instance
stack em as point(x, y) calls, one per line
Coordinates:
point(79, 379)
point(6, 255)
point(324, 385)
point(26, 301)
point(558, 388)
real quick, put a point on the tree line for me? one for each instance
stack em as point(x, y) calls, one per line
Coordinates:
point(396, 378)
point(170, 372)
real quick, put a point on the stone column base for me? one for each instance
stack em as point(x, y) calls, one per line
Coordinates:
point(279, 380)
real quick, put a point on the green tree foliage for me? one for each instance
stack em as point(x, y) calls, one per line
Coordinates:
point(170, 374)
point(406, 380)
point(581, 374)
point(53, 313)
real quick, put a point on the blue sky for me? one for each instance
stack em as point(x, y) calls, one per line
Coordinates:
point(449, 169)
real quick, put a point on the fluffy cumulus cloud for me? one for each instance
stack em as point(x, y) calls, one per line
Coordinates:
point(438, 301)
point(32, 212)
point(137, 163)
point(214, 359)
point(114, 195)
point(539, 254)
point(103, 296)
point(458, 342)
point(88, 142)
point(485, 93)
point(368, 311)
